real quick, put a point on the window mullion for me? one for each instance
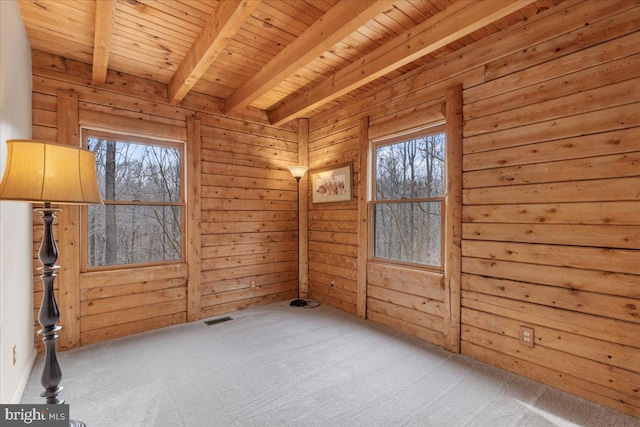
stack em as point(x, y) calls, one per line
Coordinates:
point(408, 230)
point(147, 216)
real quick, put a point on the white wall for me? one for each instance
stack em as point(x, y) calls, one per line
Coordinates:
point(16, 282)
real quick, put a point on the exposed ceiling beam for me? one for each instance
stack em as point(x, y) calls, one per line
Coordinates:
point(105, 12)
point(215, 36)
point(340, 21)
point(453, 23)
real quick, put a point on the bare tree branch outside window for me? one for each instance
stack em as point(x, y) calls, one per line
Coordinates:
point(408, 200)
point(141, 219)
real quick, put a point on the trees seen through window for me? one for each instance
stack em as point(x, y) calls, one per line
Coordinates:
point(408, 199)
point(141, 220)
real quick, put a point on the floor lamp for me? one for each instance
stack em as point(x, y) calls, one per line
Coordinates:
point(298, 172)
point(42, 172)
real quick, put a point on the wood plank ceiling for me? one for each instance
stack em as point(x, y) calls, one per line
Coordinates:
point(291, 58)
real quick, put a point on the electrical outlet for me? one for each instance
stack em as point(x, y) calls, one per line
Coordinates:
point(15, 356)
point(253, 285)
point(527, 336)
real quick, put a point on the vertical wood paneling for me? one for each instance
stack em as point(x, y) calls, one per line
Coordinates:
point(194, 219)
point(453, 219)
point(363, 214)
point(69, 239)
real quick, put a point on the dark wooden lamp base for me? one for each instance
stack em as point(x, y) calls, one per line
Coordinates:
point(49, 313)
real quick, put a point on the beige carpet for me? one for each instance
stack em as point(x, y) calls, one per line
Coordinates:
point(284, 366)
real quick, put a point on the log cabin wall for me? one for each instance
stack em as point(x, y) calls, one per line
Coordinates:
point(249, 226)
point(242, 248)
point(551, 231)
point(333, 230)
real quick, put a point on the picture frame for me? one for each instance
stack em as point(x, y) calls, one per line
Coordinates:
point(332, 185)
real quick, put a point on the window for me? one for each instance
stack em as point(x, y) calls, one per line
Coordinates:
point(408, 198)
point(142, 219)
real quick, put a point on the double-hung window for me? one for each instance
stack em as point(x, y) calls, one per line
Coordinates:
point(408, 198)
point(142, 220)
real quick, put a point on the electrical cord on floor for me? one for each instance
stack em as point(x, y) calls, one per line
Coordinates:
point(318, 304)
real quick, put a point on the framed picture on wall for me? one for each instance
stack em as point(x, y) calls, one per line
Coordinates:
point(332, 185)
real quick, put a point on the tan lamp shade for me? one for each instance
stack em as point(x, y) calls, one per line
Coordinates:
point(298, 171)
point(38, 171)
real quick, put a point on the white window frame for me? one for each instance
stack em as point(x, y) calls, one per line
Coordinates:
point(393, 139)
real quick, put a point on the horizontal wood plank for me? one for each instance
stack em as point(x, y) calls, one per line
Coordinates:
point(610, 330)
point(138, 275)
point(422, 283)
point(117, 331)
point(573, 299)
point(597, 190)
point(219, 309)
point(138, 300)
point(572, 278)
point(613, 166)
point(618, 380)
point(615, 213)
point(604, 236)
point(575, 385)
point(402, 299)
point(605, 120)
point(615, 260)
point(423, 333)
point(601, 351)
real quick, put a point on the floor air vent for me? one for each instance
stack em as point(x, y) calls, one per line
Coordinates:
point(215, 321)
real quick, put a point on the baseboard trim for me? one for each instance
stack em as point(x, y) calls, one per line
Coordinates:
point(24, 378)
